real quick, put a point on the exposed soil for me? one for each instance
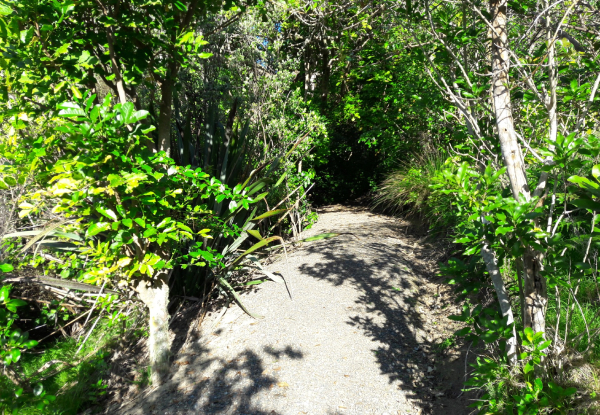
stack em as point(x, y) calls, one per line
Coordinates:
point(361, 335)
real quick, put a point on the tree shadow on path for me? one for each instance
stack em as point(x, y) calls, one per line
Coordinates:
point(395, 303)
point(229, 390)
point(397, 310)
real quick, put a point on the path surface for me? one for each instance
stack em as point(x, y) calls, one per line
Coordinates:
point(359, 336)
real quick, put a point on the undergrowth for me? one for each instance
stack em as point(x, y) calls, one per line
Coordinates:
point(556, 372)
point(82, 385)
point(407, 191)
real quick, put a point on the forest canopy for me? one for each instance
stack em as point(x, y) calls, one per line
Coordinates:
point(156, 150)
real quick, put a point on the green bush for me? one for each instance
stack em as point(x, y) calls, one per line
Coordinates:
point(408, 190)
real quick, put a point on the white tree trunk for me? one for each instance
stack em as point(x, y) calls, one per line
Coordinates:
point(511, 150)
point(164, 117)
point(156, 298)
point(491, 263)
point(535, 284)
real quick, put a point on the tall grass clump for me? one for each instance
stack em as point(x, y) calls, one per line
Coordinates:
point(408, 190)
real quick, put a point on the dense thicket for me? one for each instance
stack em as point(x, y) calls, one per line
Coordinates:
point(151, 149)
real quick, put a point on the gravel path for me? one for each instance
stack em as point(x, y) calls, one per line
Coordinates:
point(360, 336)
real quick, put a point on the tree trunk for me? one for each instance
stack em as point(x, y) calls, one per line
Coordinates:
point(326, 72)
point(536, 295)
point(166, 111)
point(535, 287)
point(511, 150)
point(156, 298)
point(491, 263)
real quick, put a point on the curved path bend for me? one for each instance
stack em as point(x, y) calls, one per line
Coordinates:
point(361, 336)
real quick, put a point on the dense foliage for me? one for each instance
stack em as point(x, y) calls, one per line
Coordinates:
point(151, 149)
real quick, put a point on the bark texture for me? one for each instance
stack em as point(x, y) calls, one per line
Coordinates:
point(534, 286)
point(164, 118)
point(536, 295)
point(511, 150)
point(156, 298)
point(491, 263)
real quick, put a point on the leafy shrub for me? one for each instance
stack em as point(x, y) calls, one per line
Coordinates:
point(125, 216)
point(13, 342)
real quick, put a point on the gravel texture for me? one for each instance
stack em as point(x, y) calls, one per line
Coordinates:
point(360, 335)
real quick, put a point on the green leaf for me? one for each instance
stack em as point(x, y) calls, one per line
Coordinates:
point(254, 248)
point(26, 35)
point(237, 298)
point(587, 204)
point(319, 237)
point(149, 232)
point(462, 332)
point(5, 11)
point(457, 317)
point(528, 331)
point(38, 389)
point(70, 109)
point(259, 197)
point(16, 355)
point(11, 181)
point(502, 230)
point(6, 267)
point(30, 343)
point(4, 292)
point(270, 213)
point(96, 228)
point(109, 213)
point(256, 234)
point(126, 111)
point(16, 302)
point(583, 182)
point(138, 116)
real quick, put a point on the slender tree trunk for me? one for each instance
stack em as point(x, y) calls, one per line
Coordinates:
point(326, 72)
point(511, 150)
point(166, 111)
point(536, 295)
point(550, 99)
point(156, 298)
point(491, 263)
point(534, 286)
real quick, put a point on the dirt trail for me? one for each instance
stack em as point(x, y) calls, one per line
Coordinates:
point(360, 336)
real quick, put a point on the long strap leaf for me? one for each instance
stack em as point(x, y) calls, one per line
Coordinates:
point(254, 247)
point(237, 298)
point(71, 285)
point(42, 234)
point(270, 213)
point(273, 277)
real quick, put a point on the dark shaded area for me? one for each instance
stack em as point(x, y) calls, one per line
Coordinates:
point(213, 395)
point(347, 169)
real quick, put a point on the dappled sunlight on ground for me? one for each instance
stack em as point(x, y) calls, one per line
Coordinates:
point(361, 335)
